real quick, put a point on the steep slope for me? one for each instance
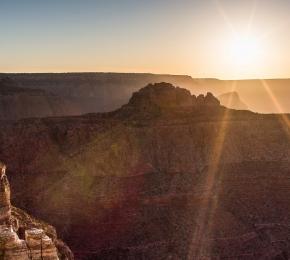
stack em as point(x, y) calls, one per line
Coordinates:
point(167, 175)
point(232, 100)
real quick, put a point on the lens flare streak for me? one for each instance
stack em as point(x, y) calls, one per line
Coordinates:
point(210, 195)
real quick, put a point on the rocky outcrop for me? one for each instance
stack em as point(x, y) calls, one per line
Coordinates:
point(163, 98)
point(5, 206)
point(20, 240)
point(162, 95)
point(208, 100)
point(166, 95)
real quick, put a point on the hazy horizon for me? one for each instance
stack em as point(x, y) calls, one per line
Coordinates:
point(150, 73)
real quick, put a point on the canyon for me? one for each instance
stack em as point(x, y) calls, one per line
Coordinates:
point(167, 175)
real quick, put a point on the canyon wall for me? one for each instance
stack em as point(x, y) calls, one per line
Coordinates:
point(169, 174)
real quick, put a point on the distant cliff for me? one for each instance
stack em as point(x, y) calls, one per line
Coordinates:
point(40, 95)
point(168, 175)
point(17, 102)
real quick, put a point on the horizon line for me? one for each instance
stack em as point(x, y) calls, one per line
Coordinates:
point(149, 73)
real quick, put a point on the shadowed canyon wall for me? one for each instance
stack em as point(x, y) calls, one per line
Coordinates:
point(169, 174)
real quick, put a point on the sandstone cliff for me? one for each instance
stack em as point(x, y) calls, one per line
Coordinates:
point(169, 175)
point(22, 237)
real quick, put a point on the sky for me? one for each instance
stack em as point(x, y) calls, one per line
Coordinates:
point(203, 38)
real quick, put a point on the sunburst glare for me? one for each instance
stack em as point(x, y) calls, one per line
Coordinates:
point(246, 50)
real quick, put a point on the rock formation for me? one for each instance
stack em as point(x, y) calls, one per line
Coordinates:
point(5, 206)
point(35, 244)
point(163, 98)
point(162, 95)
point(166, 95)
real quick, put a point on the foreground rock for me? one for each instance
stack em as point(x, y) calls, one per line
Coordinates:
point(23, 238)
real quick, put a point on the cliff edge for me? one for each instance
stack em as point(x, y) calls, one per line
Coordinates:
point(23, 237)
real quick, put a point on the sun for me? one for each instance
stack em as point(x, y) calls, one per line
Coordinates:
point(245, 50)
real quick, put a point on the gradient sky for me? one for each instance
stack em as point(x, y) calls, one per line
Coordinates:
point(192, 37)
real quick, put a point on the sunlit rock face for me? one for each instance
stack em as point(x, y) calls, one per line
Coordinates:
point(35, 244)
point(40, 245)
point(156, 181)
point(5, 206)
